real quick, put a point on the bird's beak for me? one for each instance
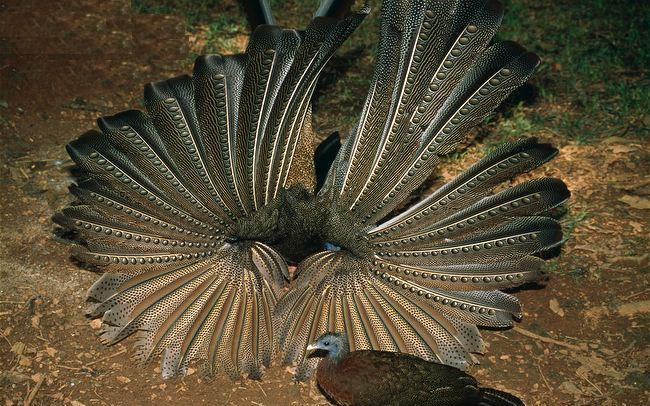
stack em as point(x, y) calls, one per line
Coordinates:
point(311, 348)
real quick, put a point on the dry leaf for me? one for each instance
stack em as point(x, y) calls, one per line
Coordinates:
point(96, 324)
point(622, 149)
point(36, 320)
point(76, 403)
point(18, 348)
point(595, 313)
point(555, 307)
point(25, 361)
point(630, 309)
point(637, 202)
point(51, 351)
point(598, 366)
point(123, 379)
point(638, 227)
point(570, 388)
point(632, 261)
point(13, 377)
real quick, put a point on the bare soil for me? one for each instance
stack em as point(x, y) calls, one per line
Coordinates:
point(583, 339)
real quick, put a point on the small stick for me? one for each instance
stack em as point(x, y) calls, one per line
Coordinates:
point(122, 351)
point(97, 394)
point(11, 302)
point(262, 389)
point(539, 368)
point(7, 340)
point(546, 339)
point(70, 368)
point(635, 295)
point(32, 394)
point(584, 376)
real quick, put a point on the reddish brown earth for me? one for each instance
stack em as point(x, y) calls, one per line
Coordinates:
point(583, 339)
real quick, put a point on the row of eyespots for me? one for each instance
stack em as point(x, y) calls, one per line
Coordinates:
point(419, 55)
point(377, 100)
point(294, 125)
point(464, 249)
point(140, 237)
point(439, 140)
point(513, 205)
point(446, 277)
point(260, 90)
point(173, 109)
point(110, 168)
point(420, 291)
point(438, 78)
point(222, 120)
point(443, 71)
point(141, 216)
point(462, 189)
point(441, 74)
point(409, 84)
point(130, 134)
point(143, 259)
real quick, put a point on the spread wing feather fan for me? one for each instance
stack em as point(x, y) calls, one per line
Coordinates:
point(195, 207)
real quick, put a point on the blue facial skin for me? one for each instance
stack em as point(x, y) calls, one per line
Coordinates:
point(332, 344)
point(328, 246)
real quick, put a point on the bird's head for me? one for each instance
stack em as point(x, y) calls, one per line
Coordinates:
point(330, 345)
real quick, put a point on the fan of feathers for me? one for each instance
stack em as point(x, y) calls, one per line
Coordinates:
point(196, 209)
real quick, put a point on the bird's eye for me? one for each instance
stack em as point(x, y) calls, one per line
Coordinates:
point(326, 343)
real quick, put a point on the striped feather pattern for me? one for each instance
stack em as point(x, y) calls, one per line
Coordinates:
point(422, 280)
point(193, 206)
point(163, 195)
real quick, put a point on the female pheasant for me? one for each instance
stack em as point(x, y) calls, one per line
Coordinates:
point(370, 378)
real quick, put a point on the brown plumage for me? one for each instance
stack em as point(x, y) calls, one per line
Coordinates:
point(371, 378)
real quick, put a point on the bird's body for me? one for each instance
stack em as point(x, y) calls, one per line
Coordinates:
point(195, 207)
point(370, 378)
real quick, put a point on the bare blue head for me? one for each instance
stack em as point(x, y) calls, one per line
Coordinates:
point(330, 345)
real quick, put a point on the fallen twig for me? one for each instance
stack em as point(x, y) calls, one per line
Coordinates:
point(539, 368)
point(70, 368)
point(32, 394)
point(584, 376)
point(262, 389)
point(122, 351)
point(635, 295)
point(548, 340)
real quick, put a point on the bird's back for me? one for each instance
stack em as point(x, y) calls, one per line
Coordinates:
point(388, 378)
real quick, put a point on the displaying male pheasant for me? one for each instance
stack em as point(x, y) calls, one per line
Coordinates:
point(195, 207)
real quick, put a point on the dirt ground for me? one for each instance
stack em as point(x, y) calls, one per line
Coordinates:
point(583, 339)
